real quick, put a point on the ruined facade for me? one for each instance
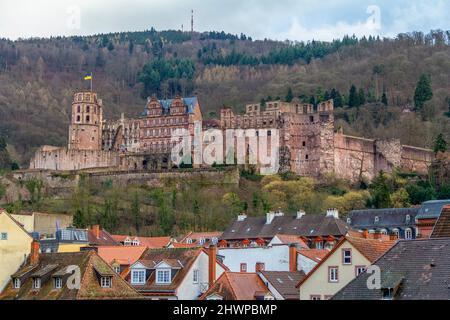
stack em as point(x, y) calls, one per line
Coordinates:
point(308, 142)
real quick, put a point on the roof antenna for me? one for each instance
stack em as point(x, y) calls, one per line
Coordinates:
point(192, 21)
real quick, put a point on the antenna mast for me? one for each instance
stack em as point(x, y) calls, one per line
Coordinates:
point(192, 21)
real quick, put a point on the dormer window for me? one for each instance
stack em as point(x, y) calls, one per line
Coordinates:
point(349, 221)
point(127, 242)
point(189, 241)
point(377, 219)
point(36, 283)
point(58, 282)
point(136, 242)
point(106, 282)
point(138, 276)
point(214, 240)
point(388, 293)
point(16, 283)
point(202, 241)
point(163, 276)
point(408, 218)
point(117, 269)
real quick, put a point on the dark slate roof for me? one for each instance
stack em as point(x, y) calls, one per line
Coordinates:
point(417, 269)
point(388, 218)
point(442, 227)
point(189, 103)
point(431, 209)
point(310, 225)
point(284, 282)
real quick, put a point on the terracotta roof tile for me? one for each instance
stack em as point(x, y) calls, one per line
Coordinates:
point(442, 227)
point(237, 286)
point(289, 239)
point(121, 254)
point(372, 249)
point(316, 255)
point(149, 242)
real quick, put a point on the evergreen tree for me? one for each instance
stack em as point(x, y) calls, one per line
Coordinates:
point(361, 96)
point(381, 197)
point(440, 145)
point(423, 92)
point(289, 95)
point(384, 99)
point(353, 97)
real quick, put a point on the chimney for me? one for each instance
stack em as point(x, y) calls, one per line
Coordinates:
point(34, 254)
point(269, 217)
point(212, 264)
point(293, 257)
point(333, 213)
point(365, 234)
point(300, 214)
point(96, 230)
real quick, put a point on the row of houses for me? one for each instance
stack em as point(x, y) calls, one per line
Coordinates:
point(275, 257)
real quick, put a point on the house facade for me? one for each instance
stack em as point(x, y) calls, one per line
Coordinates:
point(348, 259)
point(15, 246)
point(175, 274)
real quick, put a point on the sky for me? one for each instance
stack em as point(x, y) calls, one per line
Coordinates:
point(297, 20)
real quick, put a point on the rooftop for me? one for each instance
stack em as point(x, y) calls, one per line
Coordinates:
point(414, 269)
point(284, 282)
point(442, 227)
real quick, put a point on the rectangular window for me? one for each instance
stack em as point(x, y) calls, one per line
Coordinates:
point(16, 283)
point(163, 276)
point(333, 274)
point(117, 269)
point(105, 282)
point(346, 256)
point(4, 236)
point(315, 297)
point(243, 267)
point(138, 277)
point(195, 276)
point(359, 270)
point(36, 283)
point(58, 283)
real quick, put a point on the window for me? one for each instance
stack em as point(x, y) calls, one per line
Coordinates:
point(319, 245)
point(16, 283)
point(311, 119)
point(117, 269)
point(105, 282)
point(88, 119)
point(333, 275)
point(359, 270)
point(136, 242)
point(377, 219)
point(315, 297)
point(388, 293)
point(243, 267)
point(78, 109)
point(138, 276)
point(408, 218)
point(78, 118)
point(396, 232)
point(346, 256)
point(349, 221)
point(304, 143)
point(163, 276)
point(408, 234)
point(260, 266)
point(88, 109)
point(4, 236)
point(36, 283)
point(58, 283)
point(195, 276)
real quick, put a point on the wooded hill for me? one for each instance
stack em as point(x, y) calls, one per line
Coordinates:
point(39, 76)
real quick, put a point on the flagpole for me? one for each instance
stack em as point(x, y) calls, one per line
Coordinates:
point(91, 81)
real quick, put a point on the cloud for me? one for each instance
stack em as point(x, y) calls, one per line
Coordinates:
point(282, 19)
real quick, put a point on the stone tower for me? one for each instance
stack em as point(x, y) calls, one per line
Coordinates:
point(85, 131)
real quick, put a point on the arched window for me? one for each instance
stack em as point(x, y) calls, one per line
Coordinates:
point(408, 218)
point(88, 119)
point(78, 118)
point(377, 219)
point(78, 109)
point(88, 109)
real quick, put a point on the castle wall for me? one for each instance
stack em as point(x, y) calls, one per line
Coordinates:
point(354, 157)
point(65, 159)
point(416, 159)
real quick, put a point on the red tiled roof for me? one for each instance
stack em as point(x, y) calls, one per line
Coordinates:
point(237, 286)
point(149, 242)
point(442, 227)
point(123, 255)
point(289, 239)
point(316, 255)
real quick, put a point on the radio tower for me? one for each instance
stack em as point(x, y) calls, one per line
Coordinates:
point(192, 21)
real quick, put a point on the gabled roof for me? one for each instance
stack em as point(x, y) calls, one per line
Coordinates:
point(369, 248)
point(310, 225)
point(442, 227)
point(55, 264)
point(104, 238)
point(291, 239)
point(284, 282)
point(316, 255)
point(181, 258)
point(149, 242)
point(237, 286)
point(420, 269)
point(3, 211)
point(120, 254)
